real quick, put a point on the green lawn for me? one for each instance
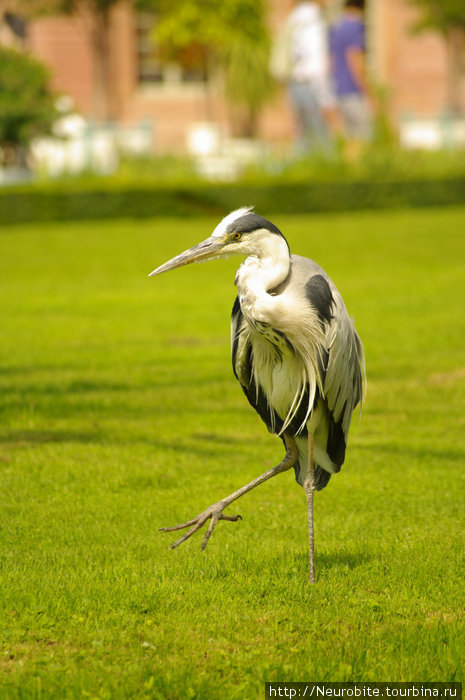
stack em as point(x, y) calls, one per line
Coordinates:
point(120, 414)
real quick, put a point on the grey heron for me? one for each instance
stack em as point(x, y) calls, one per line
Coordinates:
point(295, 352)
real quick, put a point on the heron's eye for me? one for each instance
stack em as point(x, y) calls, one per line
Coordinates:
point(237, 236)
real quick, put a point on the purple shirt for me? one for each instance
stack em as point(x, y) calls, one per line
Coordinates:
point(349, 33)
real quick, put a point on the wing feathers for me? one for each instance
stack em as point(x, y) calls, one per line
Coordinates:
point(331, 359)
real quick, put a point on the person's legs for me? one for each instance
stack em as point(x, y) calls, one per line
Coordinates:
point(312, 131)
point(357, 116)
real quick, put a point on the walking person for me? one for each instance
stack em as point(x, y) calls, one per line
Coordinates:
point(349, 73)
point(301, 58)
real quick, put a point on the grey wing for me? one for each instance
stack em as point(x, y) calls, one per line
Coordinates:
point(344, 379)
point(242, 359)
point(342, 365)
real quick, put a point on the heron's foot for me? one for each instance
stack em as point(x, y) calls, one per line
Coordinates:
point(213, 513)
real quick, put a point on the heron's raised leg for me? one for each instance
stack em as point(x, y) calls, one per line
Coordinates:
point(215, 512)
point(309, 487)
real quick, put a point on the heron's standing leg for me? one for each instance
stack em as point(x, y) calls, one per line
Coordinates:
point(309, 487)
point(215, 512)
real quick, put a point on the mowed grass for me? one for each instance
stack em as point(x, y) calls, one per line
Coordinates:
point(120, 414)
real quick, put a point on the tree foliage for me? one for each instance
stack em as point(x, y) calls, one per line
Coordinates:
point(96, 16)
point(448, 18)
point(440, 15)
point(235, 41)
point(26, 105)
point(223, 35)
point(47, 7)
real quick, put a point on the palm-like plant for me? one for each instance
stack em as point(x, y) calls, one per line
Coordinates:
point(235, 42)
point(448, 18)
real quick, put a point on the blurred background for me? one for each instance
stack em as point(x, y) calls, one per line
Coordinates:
point(118, 408)
point(91, 85)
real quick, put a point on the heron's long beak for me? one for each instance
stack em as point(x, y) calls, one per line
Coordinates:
point(206, 250)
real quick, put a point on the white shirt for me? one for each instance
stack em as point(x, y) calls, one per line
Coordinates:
point(309, 42)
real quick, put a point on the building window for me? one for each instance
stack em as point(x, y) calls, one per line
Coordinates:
point(156, 66)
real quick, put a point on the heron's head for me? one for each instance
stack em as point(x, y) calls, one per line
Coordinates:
point(240, 233)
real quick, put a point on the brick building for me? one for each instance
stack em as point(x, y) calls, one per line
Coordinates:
point(412, 69)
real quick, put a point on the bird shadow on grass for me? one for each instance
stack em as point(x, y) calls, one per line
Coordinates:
point(24, 438)
point(342, 559)
point(199, 449)
point(339, 561)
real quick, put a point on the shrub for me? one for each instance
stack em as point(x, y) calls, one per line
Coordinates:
point(110, 200)
point(26, 104)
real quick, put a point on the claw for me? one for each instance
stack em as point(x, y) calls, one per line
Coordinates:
point(214, 512)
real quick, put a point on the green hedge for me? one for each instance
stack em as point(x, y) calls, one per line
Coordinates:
point(48, 203)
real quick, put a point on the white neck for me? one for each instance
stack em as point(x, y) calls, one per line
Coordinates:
point(260, 273)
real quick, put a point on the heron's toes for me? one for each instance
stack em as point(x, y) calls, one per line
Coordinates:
point(213, 513)
point(231, 518)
